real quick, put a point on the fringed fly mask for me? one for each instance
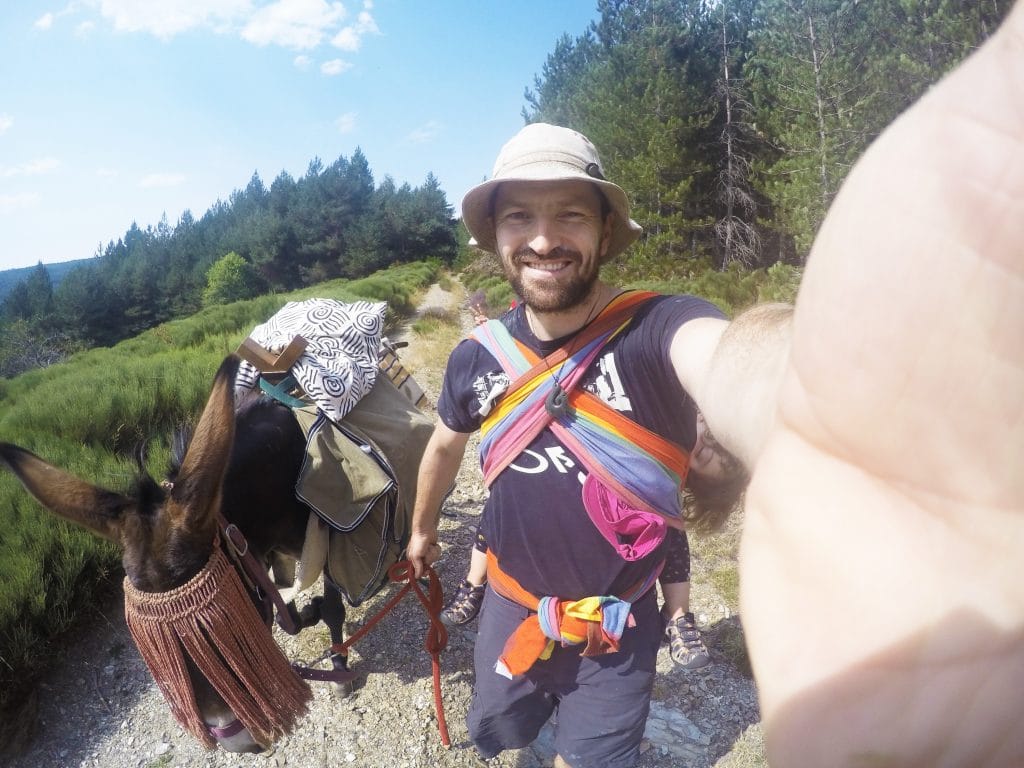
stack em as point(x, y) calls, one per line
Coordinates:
point(212, 619)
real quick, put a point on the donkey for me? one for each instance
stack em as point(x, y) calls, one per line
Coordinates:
point(241, 462)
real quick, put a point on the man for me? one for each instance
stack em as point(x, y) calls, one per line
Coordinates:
point(553, 219)
point(881, 582)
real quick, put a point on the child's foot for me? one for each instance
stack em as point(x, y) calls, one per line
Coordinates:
point(684, 643)
point(464, 606)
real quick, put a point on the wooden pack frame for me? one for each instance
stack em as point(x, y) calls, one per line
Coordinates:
point(267, 362)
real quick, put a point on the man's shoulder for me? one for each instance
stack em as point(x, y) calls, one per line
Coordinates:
point(683, 305)
point(663, 314)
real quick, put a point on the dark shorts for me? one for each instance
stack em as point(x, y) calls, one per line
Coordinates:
point(600, 703)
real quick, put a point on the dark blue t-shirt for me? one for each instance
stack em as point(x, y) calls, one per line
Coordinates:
point(534, 519)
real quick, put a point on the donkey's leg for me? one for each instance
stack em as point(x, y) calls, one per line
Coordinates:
point(332, 612)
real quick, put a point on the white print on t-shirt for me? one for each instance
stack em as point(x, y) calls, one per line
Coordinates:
point(488, 388)
point(608, 386)
point(533, 463)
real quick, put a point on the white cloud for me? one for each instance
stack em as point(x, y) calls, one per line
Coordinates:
point(48, 19)
point(6, 121)
point(351, 37)
point(423, 134)
point(106, 173)
point(162, 180)
point(33, 168)
point(366, 24)
point(15, 202)
point(347, 40)
point(167, 18)
point(346, 123)
point(85, 29)
point(302, 62)
point(299, 24)
point(335, 67)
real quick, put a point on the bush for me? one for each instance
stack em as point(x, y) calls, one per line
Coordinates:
point(231, 278)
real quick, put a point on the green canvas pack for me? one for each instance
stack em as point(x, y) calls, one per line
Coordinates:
point(360, 479)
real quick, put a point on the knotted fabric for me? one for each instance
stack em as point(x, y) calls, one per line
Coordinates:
point(597, 621)
point(635, 475)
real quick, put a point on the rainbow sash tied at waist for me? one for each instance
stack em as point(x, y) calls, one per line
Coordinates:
point(597, 621)
point(634, 475)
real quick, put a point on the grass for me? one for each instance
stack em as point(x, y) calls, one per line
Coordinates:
point(727, 581)
point(433, 320)
point(747, 751)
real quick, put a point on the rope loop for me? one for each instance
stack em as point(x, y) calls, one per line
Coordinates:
point(437, 634)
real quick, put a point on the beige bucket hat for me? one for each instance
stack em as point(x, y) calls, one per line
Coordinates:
point(543, 152)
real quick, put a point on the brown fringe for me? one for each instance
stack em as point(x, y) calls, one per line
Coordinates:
point(213, 620)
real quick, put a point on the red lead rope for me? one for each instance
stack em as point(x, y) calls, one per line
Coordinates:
point(437, 634)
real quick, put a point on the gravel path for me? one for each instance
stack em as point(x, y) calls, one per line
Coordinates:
point(99, 706)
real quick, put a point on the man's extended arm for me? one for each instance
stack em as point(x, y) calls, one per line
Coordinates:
point(881, 587)
point(438, 468)
point(733, 372)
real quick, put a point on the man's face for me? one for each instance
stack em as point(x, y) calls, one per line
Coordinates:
point(550, 238)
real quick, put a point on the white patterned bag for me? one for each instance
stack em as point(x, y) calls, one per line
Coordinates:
point(339, 364)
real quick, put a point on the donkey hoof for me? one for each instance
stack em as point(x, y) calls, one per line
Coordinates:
point(309, 616)
point(341, 691)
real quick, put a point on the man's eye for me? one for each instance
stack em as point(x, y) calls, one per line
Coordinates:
point(516, 216)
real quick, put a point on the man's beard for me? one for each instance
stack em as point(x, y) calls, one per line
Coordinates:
point(556, 297)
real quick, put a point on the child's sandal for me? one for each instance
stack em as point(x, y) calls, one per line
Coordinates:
point(685, 646)
point(464, 606)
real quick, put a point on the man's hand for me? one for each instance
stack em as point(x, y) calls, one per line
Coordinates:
point(422, 551)
point(882, 576)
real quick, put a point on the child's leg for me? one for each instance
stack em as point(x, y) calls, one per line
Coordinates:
point(477, 567)
point(675, 576)
point(686, 647)
point(677, 599)
point(467, 601)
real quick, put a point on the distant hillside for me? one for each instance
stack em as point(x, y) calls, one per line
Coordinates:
point(11, 277)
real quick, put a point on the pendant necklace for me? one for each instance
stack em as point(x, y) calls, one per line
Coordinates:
point(557, 401)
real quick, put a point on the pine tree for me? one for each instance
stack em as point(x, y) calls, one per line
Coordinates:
point(811, 97)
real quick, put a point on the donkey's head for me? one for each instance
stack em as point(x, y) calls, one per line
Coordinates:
point(167, 533)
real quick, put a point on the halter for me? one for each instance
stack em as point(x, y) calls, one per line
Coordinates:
point(211, 619)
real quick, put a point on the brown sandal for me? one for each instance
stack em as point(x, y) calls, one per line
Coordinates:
point(464, 606)
point(684, 644)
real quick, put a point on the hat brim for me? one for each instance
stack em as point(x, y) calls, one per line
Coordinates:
point(477, 205)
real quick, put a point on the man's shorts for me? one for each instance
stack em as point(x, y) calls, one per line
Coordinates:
point(600, 703)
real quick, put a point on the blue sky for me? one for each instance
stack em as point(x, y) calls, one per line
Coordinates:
point(114, 111)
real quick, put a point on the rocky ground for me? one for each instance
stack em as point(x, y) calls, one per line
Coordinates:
point(99, 707)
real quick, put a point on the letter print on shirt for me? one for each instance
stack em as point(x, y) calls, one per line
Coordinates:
point(555, 457)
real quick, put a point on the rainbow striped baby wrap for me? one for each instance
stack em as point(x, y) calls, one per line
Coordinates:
point(632, 489)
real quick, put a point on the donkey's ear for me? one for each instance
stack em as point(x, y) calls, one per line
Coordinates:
point(197, 488)
point(92, 507)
